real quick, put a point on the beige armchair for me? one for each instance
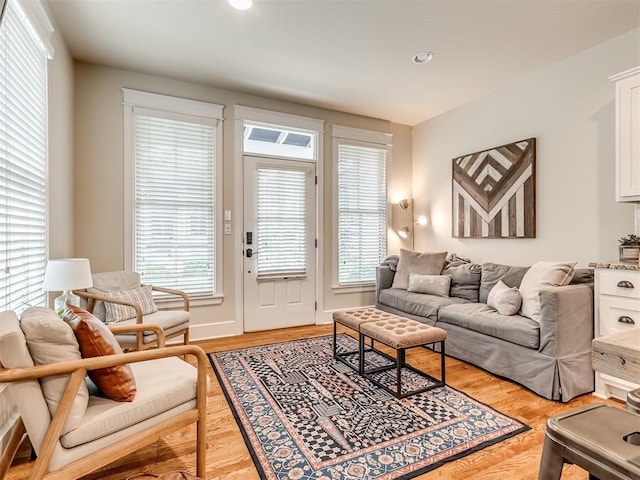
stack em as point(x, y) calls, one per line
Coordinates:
point(171, 394)
point(111, 287)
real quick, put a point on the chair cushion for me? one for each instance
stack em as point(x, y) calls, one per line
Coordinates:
point(162, 385)
point(484, 319)
point(51, 340)
point(27, 395)
point(142, 295)
point(96, 340)
point(170, 320)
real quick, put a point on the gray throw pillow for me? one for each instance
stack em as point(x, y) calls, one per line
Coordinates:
point(430, 284)
point(582, 275)
point(465, 280)
point(506, 300)
point(492, 272)
point(415, 262)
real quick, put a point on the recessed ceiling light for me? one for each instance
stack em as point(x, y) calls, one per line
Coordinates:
point(241, 4)
point(424, 57)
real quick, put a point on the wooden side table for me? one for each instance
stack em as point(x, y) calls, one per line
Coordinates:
point(618, 355)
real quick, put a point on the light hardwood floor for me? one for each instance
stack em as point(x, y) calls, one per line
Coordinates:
point(228, 457)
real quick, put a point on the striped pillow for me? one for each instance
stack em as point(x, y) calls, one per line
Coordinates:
point(118, 313)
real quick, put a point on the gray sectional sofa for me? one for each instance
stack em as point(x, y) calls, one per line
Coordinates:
point(551, 357)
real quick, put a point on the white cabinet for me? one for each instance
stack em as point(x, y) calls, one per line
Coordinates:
point(627, 135)
point(617, 309)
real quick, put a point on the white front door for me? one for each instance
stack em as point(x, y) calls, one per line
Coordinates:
point(279, 243)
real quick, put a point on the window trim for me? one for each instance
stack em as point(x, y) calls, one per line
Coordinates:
point(364, 138)
point(180, 108)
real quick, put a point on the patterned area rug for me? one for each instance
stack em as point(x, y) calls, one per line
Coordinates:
point(304, 415)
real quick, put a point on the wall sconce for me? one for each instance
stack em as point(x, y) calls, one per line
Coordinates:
point(404, 232)
point(421, 221)
point(402, 219)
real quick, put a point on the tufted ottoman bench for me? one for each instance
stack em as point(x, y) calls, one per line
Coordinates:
point(400, 334)
point(353, 319)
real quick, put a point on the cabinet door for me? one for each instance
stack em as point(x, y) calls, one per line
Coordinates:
point(627, 136)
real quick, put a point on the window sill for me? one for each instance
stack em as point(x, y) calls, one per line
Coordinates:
point(174, 302)
point(339, 289)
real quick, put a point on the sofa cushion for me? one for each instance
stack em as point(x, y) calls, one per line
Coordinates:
point(431, 284)
point(540, 276)
point(95, 339)
point(416, 262)
point(419, 304)
point(492, 272)
point(465, 280)
point(484, 319)
point(51, 340)
point(506, 300)
point(162, 385)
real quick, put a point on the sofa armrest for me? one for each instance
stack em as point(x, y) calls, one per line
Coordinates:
point(567, 320)
point(384, 279)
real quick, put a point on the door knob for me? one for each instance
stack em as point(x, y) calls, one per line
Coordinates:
point(251, 253)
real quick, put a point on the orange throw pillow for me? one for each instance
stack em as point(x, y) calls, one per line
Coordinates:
point(96, 340)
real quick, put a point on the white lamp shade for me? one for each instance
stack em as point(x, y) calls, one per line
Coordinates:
point(67, 274)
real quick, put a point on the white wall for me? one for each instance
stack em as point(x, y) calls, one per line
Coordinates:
point(569, 107)
point(98, 184)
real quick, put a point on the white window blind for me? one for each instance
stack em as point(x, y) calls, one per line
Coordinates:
point(23, 161)
point(281, 222)
point(362, 212)
point(174, 222)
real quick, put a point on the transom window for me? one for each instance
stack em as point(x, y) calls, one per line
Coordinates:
point(275, 141)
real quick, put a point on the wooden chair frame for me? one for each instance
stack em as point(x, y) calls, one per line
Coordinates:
point(78, 370)
point(139, 343)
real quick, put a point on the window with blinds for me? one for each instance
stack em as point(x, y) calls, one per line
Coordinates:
point(175, 202)
point(362, 212)
point(23, 161)
point(281, 222)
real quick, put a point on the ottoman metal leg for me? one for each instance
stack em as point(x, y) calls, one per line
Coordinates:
point(552, 460)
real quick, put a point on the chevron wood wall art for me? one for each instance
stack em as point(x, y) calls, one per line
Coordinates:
point(494, 194)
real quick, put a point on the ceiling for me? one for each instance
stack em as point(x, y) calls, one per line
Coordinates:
point(347, 55)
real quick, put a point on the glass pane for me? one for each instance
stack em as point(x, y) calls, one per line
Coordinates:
point(281, 222)
point(362, 212)
point(175, 204)
point(276, 141)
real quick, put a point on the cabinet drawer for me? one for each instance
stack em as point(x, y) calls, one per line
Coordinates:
point(623, 283)
point(618, 314)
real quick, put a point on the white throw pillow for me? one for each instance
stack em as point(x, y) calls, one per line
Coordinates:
point(431, 284)
point(52, 340)
point(538, 277)
point(506, 300)
point(416, 262)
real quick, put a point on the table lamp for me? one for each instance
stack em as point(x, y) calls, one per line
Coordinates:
point(67, 274)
